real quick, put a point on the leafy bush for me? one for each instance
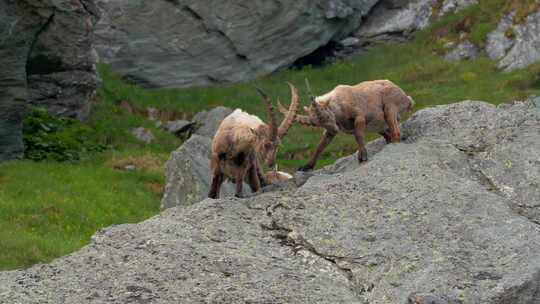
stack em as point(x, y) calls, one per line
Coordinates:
point(48, 137)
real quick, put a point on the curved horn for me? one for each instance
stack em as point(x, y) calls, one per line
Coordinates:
point(304, 120)
point(311, 96)
point(301, 119)
point(271, 114)
point(291, 115)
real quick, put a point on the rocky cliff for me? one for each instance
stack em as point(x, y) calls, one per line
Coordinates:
point(447, 216)
point(515, 45)
point(188, 42)
point(397, 20)
point(47, 60)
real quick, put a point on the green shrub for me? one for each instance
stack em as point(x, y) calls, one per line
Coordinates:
point(48, 137)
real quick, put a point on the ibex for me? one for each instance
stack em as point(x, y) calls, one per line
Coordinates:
point(374, 106)
point(242, 141)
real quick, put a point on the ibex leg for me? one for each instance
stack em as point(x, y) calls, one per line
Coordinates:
point(325, 140)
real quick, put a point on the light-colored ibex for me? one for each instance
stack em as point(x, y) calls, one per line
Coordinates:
point(373, 106)
point(242, 141)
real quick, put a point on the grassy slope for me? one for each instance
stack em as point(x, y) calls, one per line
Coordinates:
point(50, 209)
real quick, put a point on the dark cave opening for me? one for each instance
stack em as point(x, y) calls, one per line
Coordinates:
point(321, 57)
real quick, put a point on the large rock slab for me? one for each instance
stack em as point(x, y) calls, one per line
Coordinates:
point(17, 30)
point(393, 20)
point(515, 45)
point(502, 144)
point(194, 42)
point(420, 222)
point(207, 122)
point(398, 20)
point(188, 174)
point(61, 67)
point(45, 49)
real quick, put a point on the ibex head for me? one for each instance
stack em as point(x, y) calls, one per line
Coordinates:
point(272, 139)
point(317, 113)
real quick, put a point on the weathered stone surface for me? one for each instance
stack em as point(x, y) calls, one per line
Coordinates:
point(502, 145)
point(45, 46)
point(349, 42)
point(61, 68)
point(208, 121)
point(396, 20)
point(178, 126)
point(188, 174)
point(187, 42)
point(464, 50)
point(142, 134)
point(420, 221)
point(498, 43)
point(17, 30)
point(450, 6)
point(393, 20)
point(515, 45)
point(422, 217)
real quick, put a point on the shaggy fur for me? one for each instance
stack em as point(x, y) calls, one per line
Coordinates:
point(242, 141)
point(373, 106)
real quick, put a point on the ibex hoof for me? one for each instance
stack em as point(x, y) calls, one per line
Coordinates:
point(362, 156)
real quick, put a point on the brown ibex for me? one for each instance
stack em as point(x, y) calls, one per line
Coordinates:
point(242, 141)
point(374, 106)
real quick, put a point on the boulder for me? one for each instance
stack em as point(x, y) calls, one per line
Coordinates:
point(501, 144)
point(393, 20)
point(397, 20)
point(208, 121)
point(464, 50)
point(426, 220)
point(188, 175)
point(449, 6)
point(186, 42)
point(142, 134)
point(515, 45)
point(498, 42)
point(46, 56)
point(61, 67)
point(178, 126)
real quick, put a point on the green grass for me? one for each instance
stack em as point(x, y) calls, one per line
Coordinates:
point(49, 209)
